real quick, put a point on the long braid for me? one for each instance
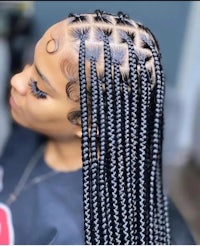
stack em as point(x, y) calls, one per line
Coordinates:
point(94, 161)
point(120, 154)
point(132, 200)
point(162, 198)
point(159, 193)
point(85, 142)
point(126, 114)
point(142, 150)
point(153, 227)
point(111, 140)
point(166, 212)
point(103, 183)
point(150, 109)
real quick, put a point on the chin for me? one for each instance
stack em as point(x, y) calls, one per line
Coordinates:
point(18, 120)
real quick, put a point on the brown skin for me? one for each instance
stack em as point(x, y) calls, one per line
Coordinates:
point(49, 115)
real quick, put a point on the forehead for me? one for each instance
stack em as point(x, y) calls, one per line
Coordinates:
point(53, 51)
point(56, 40)
point(57, 31)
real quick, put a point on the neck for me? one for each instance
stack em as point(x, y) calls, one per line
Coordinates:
point(63, 156)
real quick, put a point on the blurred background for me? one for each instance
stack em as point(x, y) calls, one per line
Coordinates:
point(176, 26)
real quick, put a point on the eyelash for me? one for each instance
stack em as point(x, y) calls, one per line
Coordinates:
point(36, 91)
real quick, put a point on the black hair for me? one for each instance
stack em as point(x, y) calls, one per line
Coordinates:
point(123, 195)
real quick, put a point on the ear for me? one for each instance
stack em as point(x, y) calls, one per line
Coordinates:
point(78, 131)
point(75, 118)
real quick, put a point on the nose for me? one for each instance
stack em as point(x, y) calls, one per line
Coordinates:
point(19, 82)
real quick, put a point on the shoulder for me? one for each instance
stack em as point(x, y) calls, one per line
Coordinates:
point(180, 231)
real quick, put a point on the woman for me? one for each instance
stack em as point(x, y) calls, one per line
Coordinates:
point(95, 90)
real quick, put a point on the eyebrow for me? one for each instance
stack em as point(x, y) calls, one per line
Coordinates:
point(43, 77)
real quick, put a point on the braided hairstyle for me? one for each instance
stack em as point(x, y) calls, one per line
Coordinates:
point(121, 83)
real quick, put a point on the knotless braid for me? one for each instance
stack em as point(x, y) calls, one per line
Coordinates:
point(127, 161)
point(166, 212)
point(94, 161)
point(103, 183)
point(85, 141)
point(161, 204)
point(120, 155)
point(133, 122)
point(162, 200)
point(111, 145)
point(123, 196)
point(142, 152)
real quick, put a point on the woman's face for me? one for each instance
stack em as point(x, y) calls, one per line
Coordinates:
point(38, 97)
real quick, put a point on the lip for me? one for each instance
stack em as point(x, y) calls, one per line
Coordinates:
point(12, 102)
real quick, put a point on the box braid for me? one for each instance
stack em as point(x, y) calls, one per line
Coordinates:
point(122, 130)
point(103, 183)
point(160, 102)
point(85, 139)
point(132, 125)
point(111, 143)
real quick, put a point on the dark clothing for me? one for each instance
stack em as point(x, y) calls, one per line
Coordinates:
point(54, 209)
point(53, 213)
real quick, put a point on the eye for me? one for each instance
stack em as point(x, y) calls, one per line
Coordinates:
point(36, 91)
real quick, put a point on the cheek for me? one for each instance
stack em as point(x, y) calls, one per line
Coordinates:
point(45, 110)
